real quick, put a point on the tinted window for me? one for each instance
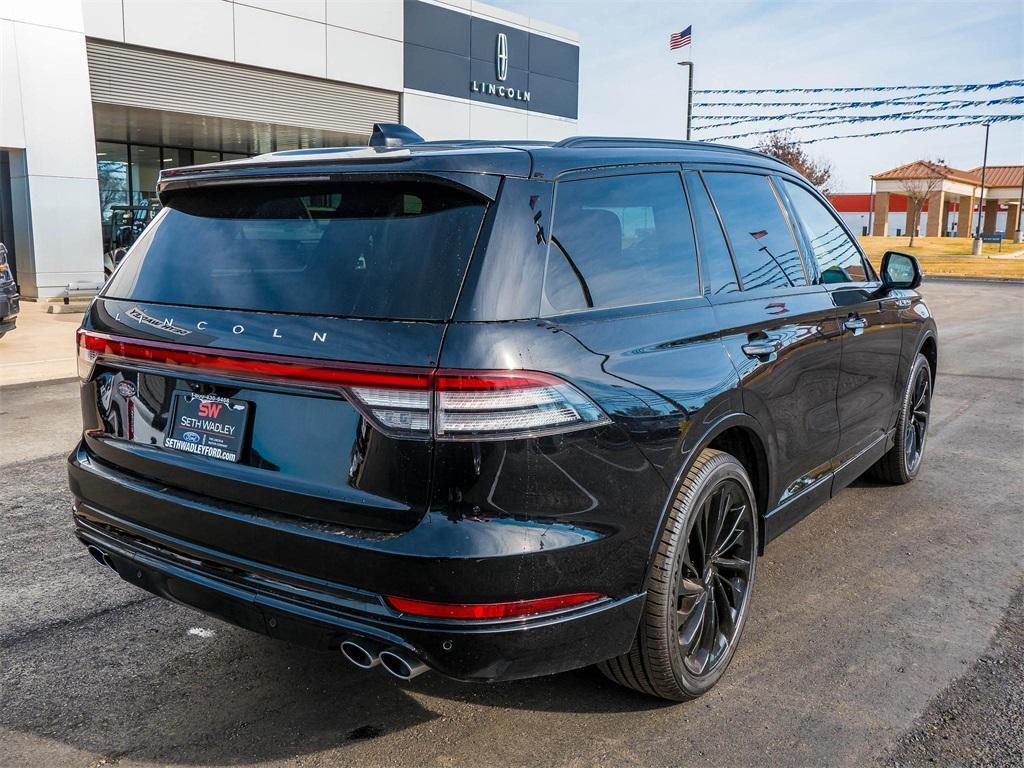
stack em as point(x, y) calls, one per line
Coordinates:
point(719, 273)
point(762, 242)
point(358, 249)
point(621, 240)
point(838, 259)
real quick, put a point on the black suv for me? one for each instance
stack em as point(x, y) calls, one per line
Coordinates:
point(493, 409)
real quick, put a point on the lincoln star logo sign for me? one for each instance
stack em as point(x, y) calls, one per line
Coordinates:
point(501, 57)
point(501, 73)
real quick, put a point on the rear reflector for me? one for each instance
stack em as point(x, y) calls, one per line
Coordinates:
point(490, 610)
point(405, 402)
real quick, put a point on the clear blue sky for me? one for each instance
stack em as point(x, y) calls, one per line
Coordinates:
point(630, 83)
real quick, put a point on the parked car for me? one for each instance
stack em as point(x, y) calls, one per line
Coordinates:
point(492, 409)
point(9, 301)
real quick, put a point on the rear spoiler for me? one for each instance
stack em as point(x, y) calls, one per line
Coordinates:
point(178, 179)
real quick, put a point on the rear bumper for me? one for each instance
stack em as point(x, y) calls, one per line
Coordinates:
point(321, 612)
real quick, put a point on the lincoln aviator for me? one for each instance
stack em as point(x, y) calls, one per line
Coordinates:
point(492, 409)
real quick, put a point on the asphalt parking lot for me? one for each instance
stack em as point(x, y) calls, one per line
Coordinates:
point(881, 629)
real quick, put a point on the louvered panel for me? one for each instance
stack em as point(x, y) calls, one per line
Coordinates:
point(158, 80)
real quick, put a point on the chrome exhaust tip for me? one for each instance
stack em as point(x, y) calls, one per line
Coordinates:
point(401, 664)
point(101, 557)
point(364, 655)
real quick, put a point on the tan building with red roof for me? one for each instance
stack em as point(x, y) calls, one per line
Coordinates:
point(942, 190)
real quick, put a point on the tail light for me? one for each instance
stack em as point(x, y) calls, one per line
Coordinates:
point(87, 355)
point(405, 402)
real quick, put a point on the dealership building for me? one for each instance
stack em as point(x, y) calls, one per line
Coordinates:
point(97, 96)
point(953, 202)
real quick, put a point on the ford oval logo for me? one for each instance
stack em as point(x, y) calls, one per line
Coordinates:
point(191, 437)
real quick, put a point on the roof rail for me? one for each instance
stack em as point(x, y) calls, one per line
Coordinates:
point(625, 141)
point(487, 143)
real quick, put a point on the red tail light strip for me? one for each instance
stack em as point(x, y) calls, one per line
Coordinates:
point(489, 610)
point(403, 401)
point(302, 369)
point(260, 366)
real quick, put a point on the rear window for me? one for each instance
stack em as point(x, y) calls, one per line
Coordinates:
point(395, 249)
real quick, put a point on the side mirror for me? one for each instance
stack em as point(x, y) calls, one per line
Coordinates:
point(900, 271)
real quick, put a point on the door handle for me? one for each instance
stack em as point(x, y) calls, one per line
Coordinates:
point(855, 323)
point(762, 348)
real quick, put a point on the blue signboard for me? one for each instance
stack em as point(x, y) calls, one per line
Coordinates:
point(997, 238)
point(455, 54)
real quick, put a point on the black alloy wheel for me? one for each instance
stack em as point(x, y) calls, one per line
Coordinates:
point(699, 587)
point(903, 461)
point(714, 576)
point(916, 423)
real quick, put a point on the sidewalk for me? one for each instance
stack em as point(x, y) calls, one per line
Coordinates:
point(41, 348)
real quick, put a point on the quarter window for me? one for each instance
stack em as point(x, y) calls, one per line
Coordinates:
point(620, 240)
point(762, 242)
point(839, 260)
point(719, 273)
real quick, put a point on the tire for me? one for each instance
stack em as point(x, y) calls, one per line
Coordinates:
point(660, 662)
point(902, 462)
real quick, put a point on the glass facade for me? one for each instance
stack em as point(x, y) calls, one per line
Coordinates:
point(128, 175)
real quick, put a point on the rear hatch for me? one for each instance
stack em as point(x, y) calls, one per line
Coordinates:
point(271, 345)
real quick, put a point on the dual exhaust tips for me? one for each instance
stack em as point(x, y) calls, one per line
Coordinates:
point(101, 557)
point(366, 654)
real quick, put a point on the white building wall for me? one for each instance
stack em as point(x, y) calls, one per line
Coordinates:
point(47, 124)
point(353, 41)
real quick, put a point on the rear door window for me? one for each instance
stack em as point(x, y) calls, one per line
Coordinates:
point(619, 241)
point(763, 244)
point(838, 258)
point(390, 249)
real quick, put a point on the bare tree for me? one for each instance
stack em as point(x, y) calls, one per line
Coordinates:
point(783, 147)
point(918, 190)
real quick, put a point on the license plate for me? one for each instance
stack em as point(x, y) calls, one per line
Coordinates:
point(207, 426)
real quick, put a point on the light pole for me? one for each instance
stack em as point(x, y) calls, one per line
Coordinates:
point(1018, 236)
point(976, 247)
point(689, 95)
point(871, 206)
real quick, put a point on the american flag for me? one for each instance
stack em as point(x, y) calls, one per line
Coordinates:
point(678, 39)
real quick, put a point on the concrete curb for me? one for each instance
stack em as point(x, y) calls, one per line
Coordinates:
point(29, 384)
point(972, 279)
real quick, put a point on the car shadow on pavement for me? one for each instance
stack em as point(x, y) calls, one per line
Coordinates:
point(153, 683)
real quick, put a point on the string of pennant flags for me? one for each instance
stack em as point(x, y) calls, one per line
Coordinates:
point(897, 101)
point(836, 111)
point(872, 88)
point(970, 121)
point(879, 102)
point(857, 119)
point(933, 106)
